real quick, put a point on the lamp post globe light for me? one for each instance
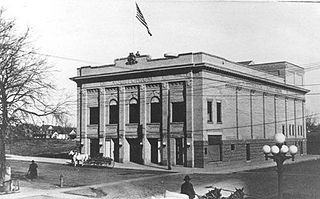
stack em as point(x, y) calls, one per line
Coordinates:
point(279, 153)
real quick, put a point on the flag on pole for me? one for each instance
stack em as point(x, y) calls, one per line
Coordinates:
point(141, 19)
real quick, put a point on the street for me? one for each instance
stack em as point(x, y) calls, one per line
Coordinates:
point(300, 179)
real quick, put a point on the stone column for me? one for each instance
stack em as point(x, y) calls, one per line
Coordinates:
point(146, 147)
point(189, 146)
point(124, 150)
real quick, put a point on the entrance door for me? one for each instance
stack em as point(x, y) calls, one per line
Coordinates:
point(94, 148)
point(214, 148)
point(135, 150)
point(154, 150)
point(116, 150)
point(179, 151)
point(301, 147)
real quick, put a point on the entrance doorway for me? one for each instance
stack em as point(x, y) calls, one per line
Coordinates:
point(301, 147)
point(214, 148)
point(179, 151)
point(154, 150)
point(116, 150)
point(135, 150)
point(94, 147)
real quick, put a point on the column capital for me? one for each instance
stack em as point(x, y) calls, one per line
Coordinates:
point(165, 85)
point(189, 82)
point(142, 87)
point(122, 89)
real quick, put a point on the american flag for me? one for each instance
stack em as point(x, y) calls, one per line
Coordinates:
point(141, 19)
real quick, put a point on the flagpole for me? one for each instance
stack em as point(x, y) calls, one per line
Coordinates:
point(133, 24)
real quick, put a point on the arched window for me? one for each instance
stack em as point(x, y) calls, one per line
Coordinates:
point(113, 112)
point(155, 110)
point(134, 112)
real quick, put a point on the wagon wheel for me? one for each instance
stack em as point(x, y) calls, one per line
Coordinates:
point(110, 164)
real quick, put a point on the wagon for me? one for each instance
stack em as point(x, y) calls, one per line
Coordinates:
point(101, 161)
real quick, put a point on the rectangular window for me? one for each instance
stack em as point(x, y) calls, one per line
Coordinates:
point(94, 115)
point(155, 112)
point(114, 114)
point(283, 129)
point(209, 111)
point(232, 147)
point(293, 130)
point(290, 129)
point(219, 114)
point(134, 113)
point(178, 112)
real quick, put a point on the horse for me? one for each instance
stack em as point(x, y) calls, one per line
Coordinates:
point(238, 194)
point(78, 158)
point(212, 194)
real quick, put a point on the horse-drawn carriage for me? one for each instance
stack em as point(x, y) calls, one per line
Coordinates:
point(214, 193)
point(84, 159)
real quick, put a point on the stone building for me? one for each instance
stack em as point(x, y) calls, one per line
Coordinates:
point(202, 108)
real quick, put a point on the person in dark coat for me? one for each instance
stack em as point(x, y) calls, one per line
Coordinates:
point(187, 188)
point(32, 172)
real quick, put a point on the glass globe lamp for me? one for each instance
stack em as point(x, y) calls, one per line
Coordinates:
point(279, 138)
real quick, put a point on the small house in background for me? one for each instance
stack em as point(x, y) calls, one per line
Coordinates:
point(60, 136)
point(72, 134)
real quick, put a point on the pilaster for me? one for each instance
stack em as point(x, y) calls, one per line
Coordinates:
point(164, 123)
point(124, 150)
point(188, 143)
point(146, 147)
point(102, 121)
point(84, 141)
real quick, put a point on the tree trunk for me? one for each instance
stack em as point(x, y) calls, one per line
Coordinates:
point(3, 131)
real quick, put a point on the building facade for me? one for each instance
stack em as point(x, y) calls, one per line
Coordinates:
point(190, 109)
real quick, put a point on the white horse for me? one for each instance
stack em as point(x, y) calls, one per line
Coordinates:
point(78, 158)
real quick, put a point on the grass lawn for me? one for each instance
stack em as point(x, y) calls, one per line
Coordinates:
point(49, 175)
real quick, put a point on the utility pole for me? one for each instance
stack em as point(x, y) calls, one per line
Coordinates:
point(168, 133)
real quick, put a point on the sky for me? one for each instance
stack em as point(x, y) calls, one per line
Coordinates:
point(79, 33)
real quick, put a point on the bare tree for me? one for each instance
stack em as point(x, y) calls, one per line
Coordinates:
point(24, 85)
point(312, 123)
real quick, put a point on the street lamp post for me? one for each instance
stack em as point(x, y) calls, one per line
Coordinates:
point(279, 153)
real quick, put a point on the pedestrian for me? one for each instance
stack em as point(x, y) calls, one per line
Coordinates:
point(32, 172)
point(187, 188)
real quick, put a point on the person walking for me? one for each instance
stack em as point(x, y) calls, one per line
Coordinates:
point(187, 188)
point(32, 172)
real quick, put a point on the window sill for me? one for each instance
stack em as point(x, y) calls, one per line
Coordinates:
point(92, 125)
